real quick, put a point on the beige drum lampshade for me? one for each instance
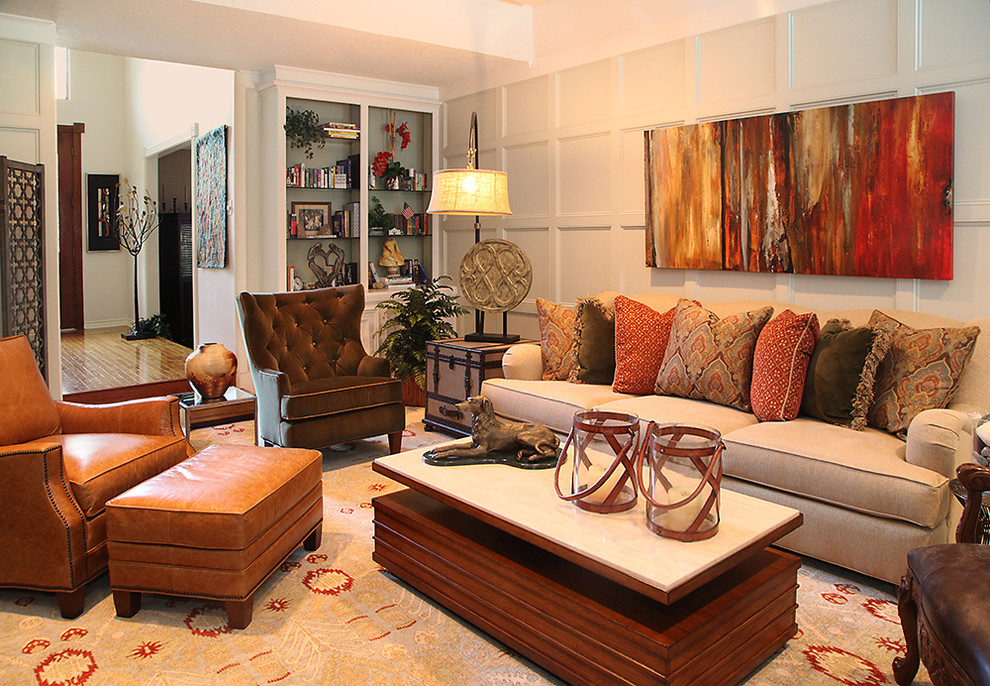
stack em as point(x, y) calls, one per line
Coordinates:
point(470, 191)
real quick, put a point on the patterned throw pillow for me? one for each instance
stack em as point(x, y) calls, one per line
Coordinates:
point(780, 363)
point(839, 384)
point(641, 335)
point(556, 339)
point(920, 372)
point(709, 358)
point(594, 343)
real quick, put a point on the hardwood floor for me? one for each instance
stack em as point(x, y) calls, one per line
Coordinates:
point(99, 359)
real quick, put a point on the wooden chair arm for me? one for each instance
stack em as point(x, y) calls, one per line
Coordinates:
point(975, 479)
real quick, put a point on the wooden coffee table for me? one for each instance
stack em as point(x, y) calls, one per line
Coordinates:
point(595, 599)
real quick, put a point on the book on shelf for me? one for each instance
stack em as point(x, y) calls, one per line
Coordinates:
point(342, 130)
point(342, 176)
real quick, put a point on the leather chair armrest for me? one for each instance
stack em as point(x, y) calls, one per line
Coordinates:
point(147, 416)
point(374, 366)
point(42, 528)
point(269, 387)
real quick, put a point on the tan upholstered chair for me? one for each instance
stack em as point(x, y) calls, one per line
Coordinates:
point(316, 386)
point(59, 464)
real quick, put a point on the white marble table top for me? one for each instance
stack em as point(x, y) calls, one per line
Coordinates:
point(527, 500)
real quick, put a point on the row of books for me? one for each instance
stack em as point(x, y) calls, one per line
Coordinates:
point(342, 130)
point(347, 277)
point(408, 180)
point(404, 224)
point(344, 223)
point(343, 175)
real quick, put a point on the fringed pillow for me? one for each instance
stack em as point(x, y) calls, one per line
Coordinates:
point(556, 324)
point(709, 358)
point(841, 374)
point(920, 372)
point(594, 343)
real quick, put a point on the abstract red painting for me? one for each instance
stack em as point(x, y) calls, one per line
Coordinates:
point(854, 190)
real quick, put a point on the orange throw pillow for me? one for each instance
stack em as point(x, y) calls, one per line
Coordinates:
point(780, 365)
point(556, 339)
point(641, 336)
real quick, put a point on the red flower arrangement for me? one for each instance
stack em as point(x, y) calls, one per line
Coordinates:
point(382, 160)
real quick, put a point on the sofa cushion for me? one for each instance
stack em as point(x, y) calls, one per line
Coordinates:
point(780, 364)
point(839, 384)
point(863, 471)
point(641, 336)
point(551, 403)
point(594, 343)
point(332, 394)
point(920, 372)
point(556, 324)
point(101, 466)
point(671, 409)
point(709, 358)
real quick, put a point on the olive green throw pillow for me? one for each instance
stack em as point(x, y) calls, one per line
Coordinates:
point(594, 343)
point(839, 385)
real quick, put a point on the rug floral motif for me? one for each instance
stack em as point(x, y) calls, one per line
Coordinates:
point(334, 616)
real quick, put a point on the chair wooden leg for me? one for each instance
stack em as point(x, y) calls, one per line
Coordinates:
point(314, 539)
point(906, 667)
point(126, 603)
point(239, 612)
point(71, 603)
point(395, 442)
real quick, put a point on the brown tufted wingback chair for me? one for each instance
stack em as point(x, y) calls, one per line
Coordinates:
point(59, 464)
point(943, 600)
point(316, 386)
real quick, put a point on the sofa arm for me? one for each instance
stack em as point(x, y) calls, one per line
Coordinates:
point(940, 440)
point(373, 366)
point(523, 361)
point(42, 529)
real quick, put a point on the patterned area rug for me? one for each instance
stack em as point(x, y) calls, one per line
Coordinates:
point(334, 617)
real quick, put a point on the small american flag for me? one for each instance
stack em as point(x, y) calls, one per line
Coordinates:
point(407, 211)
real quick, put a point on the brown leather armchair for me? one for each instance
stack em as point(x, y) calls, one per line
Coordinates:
point(943, 600)
point(315, 384)
point(59, 464)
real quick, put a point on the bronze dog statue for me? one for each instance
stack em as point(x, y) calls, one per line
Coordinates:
point(489, 434)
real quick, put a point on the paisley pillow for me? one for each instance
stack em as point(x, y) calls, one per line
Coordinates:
point(920, 372)
point(556, 324)
point(709, 358)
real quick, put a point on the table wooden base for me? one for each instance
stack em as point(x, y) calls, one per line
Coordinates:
point(580, 626)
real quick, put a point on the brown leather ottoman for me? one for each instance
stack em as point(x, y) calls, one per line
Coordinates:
point(214, 526)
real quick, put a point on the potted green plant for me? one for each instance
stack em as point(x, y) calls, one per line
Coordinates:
point(378, 217)
point(416, 315)
point(303, 130)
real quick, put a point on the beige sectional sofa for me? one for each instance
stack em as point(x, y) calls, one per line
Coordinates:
point(867, 497)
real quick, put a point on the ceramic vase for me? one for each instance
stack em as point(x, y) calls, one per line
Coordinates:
point(211, 369)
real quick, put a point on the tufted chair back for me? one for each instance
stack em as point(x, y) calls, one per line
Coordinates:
point(306, 335)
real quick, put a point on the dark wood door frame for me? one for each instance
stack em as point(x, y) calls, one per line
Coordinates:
point(70, 225)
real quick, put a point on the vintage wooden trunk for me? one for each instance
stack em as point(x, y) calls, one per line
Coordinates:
point(455, 369)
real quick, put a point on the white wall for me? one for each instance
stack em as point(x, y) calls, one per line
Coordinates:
point(97, 100)
point(166, 102)
point(569, 134)
point(28, 134)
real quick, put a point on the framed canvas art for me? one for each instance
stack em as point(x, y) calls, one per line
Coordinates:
point(211, 199)
point(855, 190)
point(103, 201)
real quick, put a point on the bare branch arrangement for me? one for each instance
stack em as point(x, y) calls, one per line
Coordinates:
point(137, 219)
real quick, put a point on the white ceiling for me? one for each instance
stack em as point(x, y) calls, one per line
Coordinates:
point(429, 42)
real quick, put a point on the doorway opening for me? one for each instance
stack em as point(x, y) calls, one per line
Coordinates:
point(175, 258)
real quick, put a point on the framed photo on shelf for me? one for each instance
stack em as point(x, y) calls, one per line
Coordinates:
point(313, 218)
